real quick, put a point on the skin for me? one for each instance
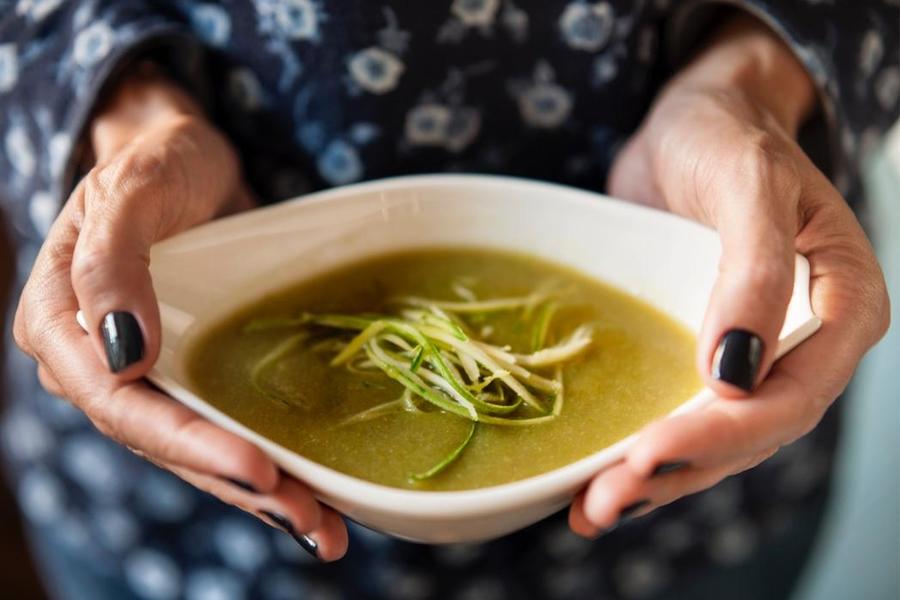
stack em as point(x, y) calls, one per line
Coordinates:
point(718, 146)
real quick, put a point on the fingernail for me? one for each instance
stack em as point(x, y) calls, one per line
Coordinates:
point(241, 484)
point(306, 542)
point(669, 467)
point(628, 512)
point(122, 340)
point(737, 358)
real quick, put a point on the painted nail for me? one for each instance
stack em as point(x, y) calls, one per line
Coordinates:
point(241, 484)
point(122, 340)
point(305, 542)
point(669, 467)
point(737, 358)
point(628, 512)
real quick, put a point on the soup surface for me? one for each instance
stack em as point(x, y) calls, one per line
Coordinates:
point(638, 366)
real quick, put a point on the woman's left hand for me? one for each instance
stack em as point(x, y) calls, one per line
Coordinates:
point(719, 146)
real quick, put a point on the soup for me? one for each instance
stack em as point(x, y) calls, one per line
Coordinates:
point(445, 369)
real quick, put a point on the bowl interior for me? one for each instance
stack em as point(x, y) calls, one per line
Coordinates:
point(208, 272)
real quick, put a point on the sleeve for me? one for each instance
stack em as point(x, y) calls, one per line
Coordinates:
point(56, 59)
point(852, 52)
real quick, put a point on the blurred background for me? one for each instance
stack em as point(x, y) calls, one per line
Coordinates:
point(858, 553)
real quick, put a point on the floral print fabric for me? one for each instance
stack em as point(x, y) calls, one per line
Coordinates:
point(320, 93)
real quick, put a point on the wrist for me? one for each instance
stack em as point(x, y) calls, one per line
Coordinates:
point(142, 100)
point(746, 56)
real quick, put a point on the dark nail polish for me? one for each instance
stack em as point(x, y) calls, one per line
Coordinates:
point(737, 358)
point(241, 484)
point(306, 542)
point(669, 467)
point(628, 512)
point(122, 339)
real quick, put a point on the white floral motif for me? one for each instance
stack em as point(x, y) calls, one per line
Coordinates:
point(25, 436)
point(339, 163)
point(587, 26)
point(214, 584)
point(36, 10)
point(426, 124)
point(375, 70)
point(117, 529)
point(92, 44)
point(241, 544)
point(211, 22)
point(42, 496)
point(58, 152)
point(9, 67)
point(152, 575)
point(19, 150)
point(463, 128)
point(433, 124)
point(292, 19)
point(543, 103)
point(475, 13)
point(640, 575)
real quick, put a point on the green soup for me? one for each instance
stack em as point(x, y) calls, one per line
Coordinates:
point(637, 366)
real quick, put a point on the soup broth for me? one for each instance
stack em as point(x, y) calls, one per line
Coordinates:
point(638, 366)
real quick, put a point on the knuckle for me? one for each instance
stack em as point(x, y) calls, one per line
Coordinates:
point(56, 254)
point(767, 275)
point(89, 261)
point(171, 445)
point(41, 336)
point(118, 184)
point(765, 164)
point(103, 420)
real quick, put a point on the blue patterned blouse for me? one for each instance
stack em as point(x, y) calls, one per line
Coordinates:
point(319, 93)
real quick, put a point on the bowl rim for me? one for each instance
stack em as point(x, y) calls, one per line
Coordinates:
point(328, 483)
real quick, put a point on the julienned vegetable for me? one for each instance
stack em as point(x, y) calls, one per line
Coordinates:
point(430, 347)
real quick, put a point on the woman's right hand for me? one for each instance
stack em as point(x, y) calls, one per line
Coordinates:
point(160, 168)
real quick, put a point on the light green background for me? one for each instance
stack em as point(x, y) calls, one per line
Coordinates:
point(858, 556)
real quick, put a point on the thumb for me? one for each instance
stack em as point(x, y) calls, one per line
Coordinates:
point(150, 191)
point(755, 212)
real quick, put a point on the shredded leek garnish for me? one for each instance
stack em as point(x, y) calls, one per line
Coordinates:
point(446, 461)
point(432, 348)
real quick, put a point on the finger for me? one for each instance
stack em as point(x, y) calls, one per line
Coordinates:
point(614, 491)
point(136, 415)
point(148, 421)
point(669, 487)
point(291, 508)
point(161, 427)
point(753, 205)
point(777, 412)
point(331, 536)
point(165, 181)
point(289, 505)
point(601, 507)
point(578, 521)
point(853, 306)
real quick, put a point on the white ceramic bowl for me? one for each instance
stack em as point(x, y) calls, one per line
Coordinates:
point(204, 274)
